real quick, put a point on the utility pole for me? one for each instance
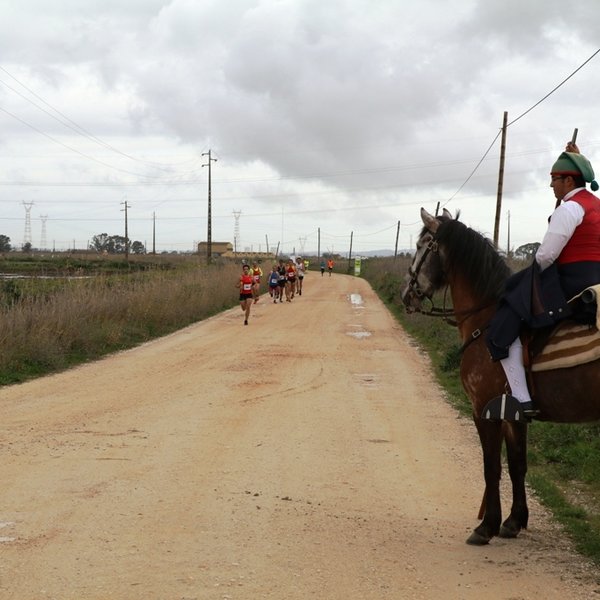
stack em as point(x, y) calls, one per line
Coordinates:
point(500, 181)
point(126, 232)
point(508, 253)
point(153, 233)
point(397, 235)
point(350, 253)
point(209, 226)
point(319, 243)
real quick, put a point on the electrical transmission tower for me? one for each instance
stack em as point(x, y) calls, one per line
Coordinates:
point(302, 241)
point(236, 229)
point(27, 234)
point(43, 242)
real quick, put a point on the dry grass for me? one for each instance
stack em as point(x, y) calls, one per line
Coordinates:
point(87, 317)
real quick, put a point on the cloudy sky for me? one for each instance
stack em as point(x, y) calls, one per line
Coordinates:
point(338, 116)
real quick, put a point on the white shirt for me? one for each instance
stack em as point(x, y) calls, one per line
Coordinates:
point(563, 222)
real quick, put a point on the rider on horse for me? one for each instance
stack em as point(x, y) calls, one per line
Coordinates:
point(567, 261)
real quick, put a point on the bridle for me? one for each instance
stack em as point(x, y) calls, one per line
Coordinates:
point(413, 285)
point(432, 246)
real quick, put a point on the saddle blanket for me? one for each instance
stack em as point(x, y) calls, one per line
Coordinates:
point(571, 344)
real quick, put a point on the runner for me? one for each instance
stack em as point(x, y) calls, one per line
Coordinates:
point(245, 285)
point(290, 284)
point(300, 270)
point(330, 265)
point(322, 267)
point(274, 288)
point(256, 275)
point(282, 278)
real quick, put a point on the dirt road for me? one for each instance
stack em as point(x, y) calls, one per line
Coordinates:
point(308, 455)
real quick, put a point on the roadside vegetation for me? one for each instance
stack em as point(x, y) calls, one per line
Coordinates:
point(564, 459)
point(69, 310)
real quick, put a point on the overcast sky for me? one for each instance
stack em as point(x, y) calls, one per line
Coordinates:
point(339, 115)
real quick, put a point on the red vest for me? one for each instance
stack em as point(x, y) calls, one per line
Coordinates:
point(585, 241)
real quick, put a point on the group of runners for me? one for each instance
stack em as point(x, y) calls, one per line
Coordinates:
point(285, 279)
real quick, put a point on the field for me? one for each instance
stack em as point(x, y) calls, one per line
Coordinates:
point(65, 310)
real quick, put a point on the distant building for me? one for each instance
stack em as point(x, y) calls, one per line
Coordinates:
point(217, 248)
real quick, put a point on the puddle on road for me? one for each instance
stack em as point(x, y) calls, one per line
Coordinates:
point(356, 300)
point(359, 334)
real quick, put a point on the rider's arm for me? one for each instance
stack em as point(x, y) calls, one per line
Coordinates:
point(563, 223)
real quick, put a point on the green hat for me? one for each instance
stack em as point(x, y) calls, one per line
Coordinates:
point(571, 163)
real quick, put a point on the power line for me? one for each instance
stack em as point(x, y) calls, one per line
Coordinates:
point(519, 117)
point(73, 126)
point(554, 90)
point(71, 148)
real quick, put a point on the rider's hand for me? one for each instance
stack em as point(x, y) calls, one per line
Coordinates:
point(572, 147)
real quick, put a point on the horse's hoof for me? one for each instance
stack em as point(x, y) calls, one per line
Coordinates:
point(508, 532)
point(476, 539)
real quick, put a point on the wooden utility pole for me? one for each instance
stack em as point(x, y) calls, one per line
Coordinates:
point(319, 243)
point(126, 232)
point(500, 181)
point(397, 235)
point(209, 226)
point(153, 233)
point(508, 253)
point(350, 253)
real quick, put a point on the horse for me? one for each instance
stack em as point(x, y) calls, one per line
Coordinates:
point(449, 254)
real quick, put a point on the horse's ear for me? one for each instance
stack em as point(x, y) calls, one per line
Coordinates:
point(447, 214)
point(429, 221)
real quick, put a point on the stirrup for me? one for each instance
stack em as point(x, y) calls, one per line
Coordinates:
point(504, 408)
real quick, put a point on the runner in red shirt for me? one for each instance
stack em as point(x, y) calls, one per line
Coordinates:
point(290, 283)
point(245, 284)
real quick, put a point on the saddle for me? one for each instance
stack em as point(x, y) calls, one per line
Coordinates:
point(570, 342)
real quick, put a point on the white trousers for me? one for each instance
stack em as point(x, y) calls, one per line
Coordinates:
point(515, 372)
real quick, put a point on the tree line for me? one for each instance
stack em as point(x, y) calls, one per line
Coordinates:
point(101, 243)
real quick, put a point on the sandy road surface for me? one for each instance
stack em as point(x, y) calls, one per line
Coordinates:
point(308, 455)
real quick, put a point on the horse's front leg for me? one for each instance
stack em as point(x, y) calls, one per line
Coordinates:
point(490, 435)
point(516, 453)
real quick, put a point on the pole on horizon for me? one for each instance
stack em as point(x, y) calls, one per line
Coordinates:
point(397, 235)
point(350, 253)
point(126, 232)
point(209, 225)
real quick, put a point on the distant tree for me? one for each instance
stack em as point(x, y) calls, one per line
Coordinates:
point(109, 244)
point(5, 243)
point(119, 244)
point(138, 248)
point(27, 247)
point(527, 251)
point(100, 243)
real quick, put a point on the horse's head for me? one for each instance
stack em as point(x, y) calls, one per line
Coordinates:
point(425, 274)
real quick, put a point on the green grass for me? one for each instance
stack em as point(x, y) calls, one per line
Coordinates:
point(564, 460)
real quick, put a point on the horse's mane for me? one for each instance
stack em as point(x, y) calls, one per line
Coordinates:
point(467, 251)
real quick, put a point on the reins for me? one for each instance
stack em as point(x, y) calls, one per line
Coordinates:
point(443, 312)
